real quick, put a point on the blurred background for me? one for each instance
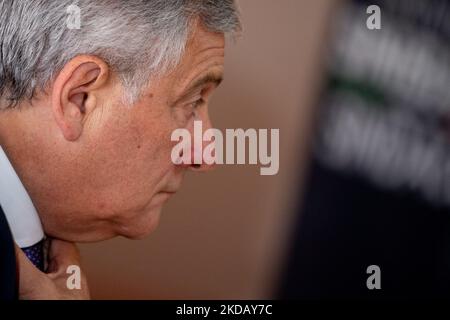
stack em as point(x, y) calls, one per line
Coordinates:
point(364, 179)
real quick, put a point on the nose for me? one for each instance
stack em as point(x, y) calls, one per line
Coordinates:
point(196, 152)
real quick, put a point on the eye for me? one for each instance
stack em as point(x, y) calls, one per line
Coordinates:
point(198, 103)
point(193, 107)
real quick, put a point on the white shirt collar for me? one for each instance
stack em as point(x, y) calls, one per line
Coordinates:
point(19, 210)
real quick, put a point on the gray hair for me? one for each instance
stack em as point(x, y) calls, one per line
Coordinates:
point(136, 38)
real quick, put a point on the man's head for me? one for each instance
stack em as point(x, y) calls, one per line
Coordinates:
point(86, 114)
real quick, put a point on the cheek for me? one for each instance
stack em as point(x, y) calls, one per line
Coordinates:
point(137, 152)
point(131, 158)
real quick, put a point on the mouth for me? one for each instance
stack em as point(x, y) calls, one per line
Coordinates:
point(166, 195)
point(168, 192)
point(161, 198)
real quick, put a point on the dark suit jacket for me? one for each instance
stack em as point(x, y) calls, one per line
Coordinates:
point(8, 272)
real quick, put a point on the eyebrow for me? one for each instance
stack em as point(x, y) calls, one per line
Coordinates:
point(208, 78)
point(213, 78)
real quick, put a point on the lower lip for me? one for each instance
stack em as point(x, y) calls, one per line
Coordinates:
point(166, 195)
point(160, 198)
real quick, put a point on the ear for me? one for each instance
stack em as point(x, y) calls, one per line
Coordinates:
point(75, 93)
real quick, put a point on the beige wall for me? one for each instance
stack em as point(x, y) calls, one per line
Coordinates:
point(223, 235)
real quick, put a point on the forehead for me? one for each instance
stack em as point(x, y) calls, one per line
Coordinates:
point(202, 39)
point(204, 53)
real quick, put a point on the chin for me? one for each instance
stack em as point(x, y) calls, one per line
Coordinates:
point(143, 226)
point(147, 220)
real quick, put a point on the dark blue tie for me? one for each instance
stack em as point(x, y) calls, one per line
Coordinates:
point(36, 254)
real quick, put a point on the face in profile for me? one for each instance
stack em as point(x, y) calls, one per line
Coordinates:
point(107, 170)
